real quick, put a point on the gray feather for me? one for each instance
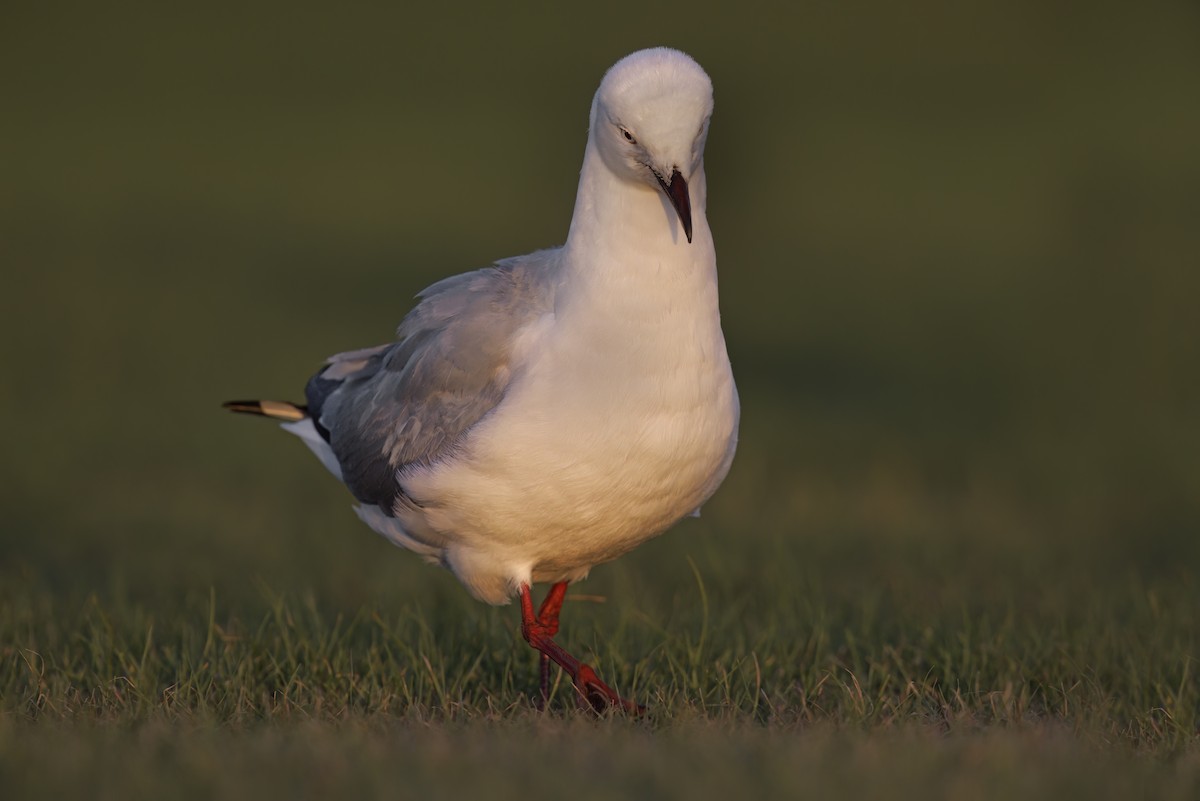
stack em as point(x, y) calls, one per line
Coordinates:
point(413, 401)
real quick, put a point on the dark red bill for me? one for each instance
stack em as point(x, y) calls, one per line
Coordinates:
point(677, 192)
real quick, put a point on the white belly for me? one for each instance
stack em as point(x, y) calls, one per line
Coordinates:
point(590, 454)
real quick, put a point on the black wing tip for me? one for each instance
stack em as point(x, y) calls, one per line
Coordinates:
point(243, 406)
point(278, 410)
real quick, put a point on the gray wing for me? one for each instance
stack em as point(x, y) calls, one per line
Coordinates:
point(412, 401)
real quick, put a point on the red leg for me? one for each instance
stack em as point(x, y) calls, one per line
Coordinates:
point(548, 617)
point(539, 632)
point(548, 611)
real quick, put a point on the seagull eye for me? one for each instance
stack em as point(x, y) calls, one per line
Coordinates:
point(628, 136)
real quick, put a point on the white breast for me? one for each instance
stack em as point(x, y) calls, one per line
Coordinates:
point(623, 422)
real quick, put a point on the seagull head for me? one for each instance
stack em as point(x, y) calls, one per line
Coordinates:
point(649, 122)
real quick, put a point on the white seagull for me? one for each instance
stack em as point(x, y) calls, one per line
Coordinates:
point(553, 411)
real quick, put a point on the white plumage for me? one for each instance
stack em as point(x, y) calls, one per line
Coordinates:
point(553, 411)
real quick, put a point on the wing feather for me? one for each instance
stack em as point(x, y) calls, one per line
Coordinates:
point(412, 401)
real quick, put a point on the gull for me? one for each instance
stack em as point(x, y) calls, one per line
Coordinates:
point(549, 413)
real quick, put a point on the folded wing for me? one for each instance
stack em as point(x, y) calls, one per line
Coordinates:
point(412, 401)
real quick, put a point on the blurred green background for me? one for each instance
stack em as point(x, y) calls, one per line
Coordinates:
point(958, 247)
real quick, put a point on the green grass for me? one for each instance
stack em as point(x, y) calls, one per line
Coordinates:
point(880, 673)
point(957, 554)
point(1118, 669)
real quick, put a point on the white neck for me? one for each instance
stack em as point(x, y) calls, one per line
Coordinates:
point(624, 232)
